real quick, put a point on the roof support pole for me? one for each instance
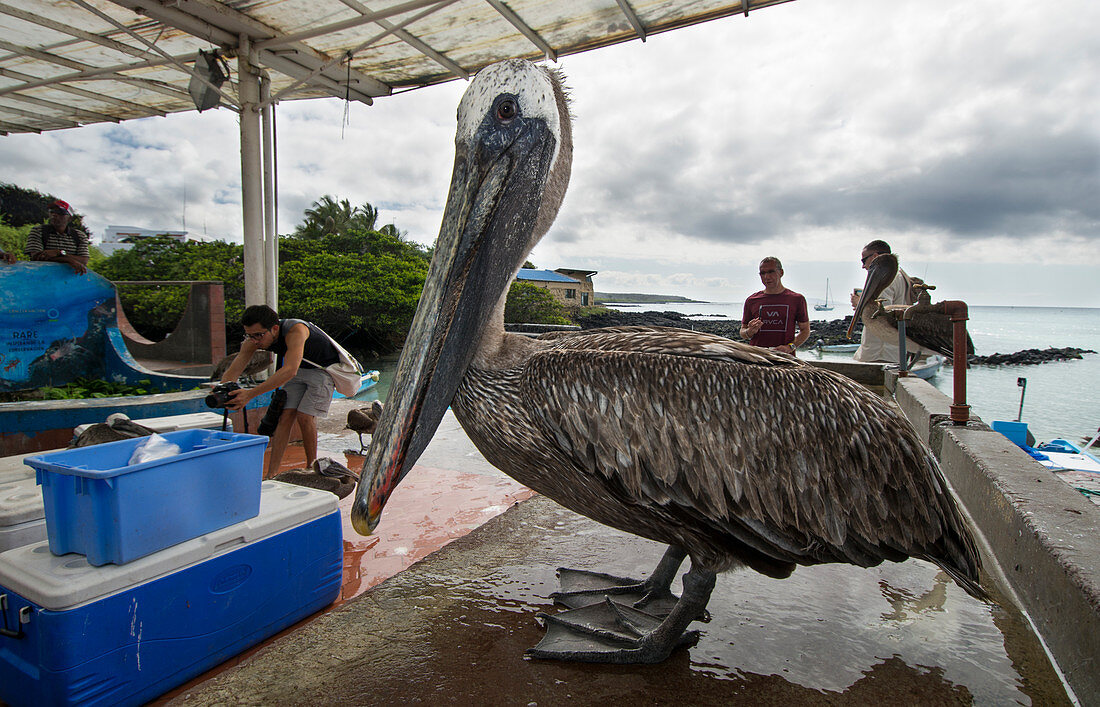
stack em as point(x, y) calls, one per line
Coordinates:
point(248, 90)
point(271, 233)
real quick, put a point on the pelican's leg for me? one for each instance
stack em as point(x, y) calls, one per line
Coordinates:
point(612, 633)
point(582, 587)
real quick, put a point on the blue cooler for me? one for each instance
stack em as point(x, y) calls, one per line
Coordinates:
point(74, 633)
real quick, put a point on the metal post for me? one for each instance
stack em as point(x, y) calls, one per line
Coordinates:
point(251, 174)
point(271, 236)
point(1022, 383)
point(903, 369)
point(958, 311)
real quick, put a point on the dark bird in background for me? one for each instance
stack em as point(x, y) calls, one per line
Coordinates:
point(364, 421)
point(731, 455)
point(260, 362)
point(326, 475)
point(927, 331)
point(117, 427)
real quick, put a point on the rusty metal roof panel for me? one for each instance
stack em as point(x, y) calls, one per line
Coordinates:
point(65, 63)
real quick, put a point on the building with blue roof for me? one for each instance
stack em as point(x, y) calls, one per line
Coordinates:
point(572, 288)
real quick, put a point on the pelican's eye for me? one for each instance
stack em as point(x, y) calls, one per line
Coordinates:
point(507, 110)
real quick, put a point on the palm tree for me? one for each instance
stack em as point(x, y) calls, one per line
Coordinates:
point(327, 216)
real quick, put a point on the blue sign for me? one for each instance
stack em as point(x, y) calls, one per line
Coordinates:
point(53, 325)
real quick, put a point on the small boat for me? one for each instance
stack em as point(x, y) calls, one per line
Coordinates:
point(834, 348)
point(927, 368)
point(366, 382)
point(1069, 461)
point(826, 307)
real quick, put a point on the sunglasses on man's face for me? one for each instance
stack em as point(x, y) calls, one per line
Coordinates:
point(257, 336)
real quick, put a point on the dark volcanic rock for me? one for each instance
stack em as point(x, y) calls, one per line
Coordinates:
point(1030, 357)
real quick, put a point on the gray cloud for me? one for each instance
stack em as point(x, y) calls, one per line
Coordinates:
point(959, 123)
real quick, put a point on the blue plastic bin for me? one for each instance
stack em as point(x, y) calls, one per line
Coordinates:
point(99, 505)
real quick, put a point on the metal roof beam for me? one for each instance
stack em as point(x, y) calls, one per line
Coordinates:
point(153, 85)
point(61, 107)
point(34, 82)
point(42, 56)
point(11, 110)
point(346, 24)
point(180, 20)
point(72, 31)
point(297, 65)
point(178, 64)
point(391, 29)
point(413, 41)
point(42, 122)
point(203, 29)
point(513, 18)
point(632, 18)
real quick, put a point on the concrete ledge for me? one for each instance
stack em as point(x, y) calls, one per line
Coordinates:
point(1044, 535)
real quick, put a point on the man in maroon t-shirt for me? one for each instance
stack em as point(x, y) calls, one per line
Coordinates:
point(771, 315)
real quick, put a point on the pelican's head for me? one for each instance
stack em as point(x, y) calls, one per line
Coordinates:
point(880, 273)
point(513, 152)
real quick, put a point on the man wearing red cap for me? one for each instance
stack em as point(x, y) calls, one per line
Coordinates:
point(59, 241)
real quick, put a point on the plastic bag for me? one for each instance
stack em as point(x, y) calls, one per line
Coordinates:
point(155, 447)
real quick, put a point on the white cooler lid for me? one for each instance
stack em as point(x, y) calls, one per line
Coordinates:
point(13, 469)
point(21, 501)
point(66, 581)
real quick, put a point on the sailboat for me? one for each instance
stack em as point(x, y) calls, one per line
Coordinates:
point(825, 307)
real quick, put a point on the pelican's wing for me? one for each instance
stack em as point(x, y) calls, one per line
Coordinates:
point(932, 330)
point(675, 342)
point(783, 463)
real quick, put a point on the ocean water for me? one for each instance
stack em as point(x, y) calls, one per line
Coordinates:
point(1062, 399)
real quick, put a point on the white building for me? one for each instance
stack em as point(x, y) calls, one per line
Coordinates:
point(122, 237)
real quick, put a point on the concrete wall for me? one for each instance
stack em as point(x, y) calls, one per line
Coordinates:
point(1044, 535)
point(199, 337)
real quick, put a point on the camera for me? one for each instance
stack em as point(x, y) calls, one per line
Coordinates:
point(221, 394)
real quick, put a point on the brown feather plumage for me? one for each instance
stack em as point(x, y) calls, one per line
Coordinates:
point(743, 455)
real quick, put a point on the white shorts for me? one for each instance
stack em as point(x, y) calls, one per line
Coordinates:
point(309, 392)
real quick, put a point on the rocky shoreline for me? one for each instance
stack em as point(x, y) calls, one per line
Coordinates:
point(829, 333)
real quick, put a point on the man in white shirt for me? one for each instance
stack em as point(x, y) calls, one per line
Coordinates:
point(871, 348)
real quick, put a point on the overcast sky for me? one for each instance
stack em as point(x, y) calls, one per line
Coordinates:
point(967, 134)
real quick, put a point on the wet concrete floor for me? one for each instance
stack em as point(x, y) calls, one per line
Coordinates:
point(453, 627)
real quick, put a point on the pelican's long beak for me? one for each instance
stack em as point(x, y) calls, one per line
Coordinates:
point(492, 208)
point(881, 272)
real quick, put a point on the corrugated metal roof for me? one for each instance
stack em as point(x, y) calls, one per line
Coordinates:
point(64, 63)
point(544, 276)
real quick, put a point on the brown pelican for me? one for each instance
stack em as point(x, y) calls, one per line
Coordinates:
point(364, 421)
point(326, 475)
point(927, 331)
point(117, 427)
point(730, 454)
point(259, 363)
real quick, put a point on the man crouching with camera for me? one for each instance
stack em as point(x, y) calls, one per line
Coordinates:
point(302, 350)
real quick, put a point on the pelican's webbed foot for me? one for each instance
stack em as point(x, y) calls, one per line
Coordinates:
point(580, 588)
point(609, 632)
